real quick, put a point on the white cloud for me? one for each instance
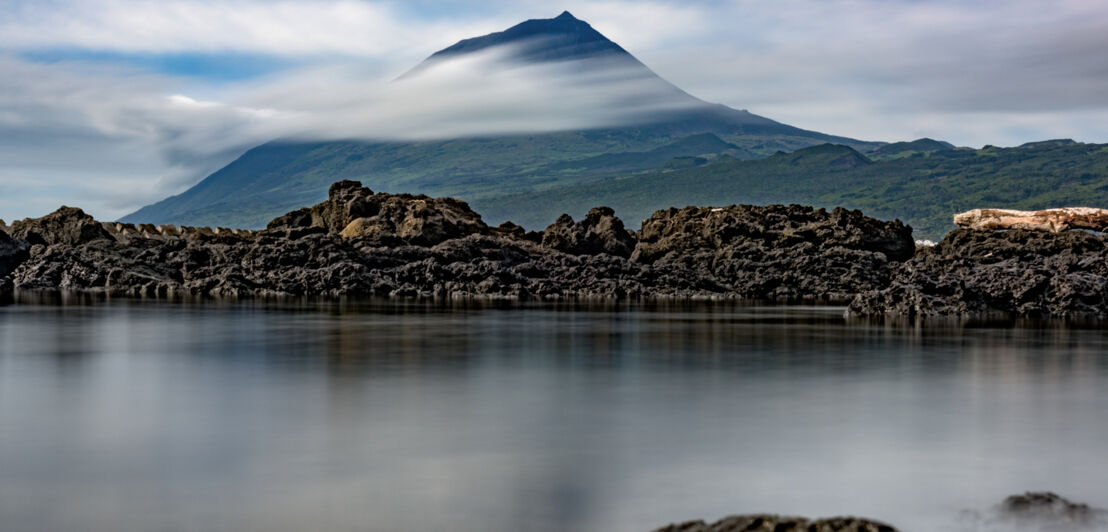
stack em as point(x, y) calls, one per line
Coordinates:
point(113, 141)
point(112, 138)
point(887, 70)
point(288, 27)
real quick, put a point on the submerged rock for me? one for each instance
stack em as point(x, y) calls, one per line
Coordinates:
point(776, 523)
point(1036, 512)
point(1018, 272)
point(1049, 511)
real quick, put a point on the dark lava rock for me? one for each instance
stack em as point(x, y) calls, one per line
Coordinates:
point(1025, 273)
point(391, 245)
point(12, 253)
point(400, 245)
point(599, 232)
point(67, 225)
point(1036, 512)
point(775, 523)
point(511, 229)
point(1048, 511)
point(776, 251)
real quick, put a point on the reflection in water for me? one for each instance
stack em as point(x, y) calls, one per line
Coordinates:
point(354, 415)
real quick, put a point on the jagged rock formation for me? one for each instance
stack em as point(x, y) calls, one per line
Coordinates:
point(599, 232)
point(1018, 272)
point(778, 251)
point(354, 212)
point(361, 243)
point(1052, 220)
point(776, 523)
point(67, 225)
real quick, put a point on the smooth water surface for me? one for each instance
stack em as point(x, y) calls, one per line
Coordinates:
point(146, 416)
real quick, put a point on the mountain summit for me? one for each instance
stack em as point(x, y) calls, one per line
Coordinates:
point(561, 38)
point(568, 40)
point(546, 40)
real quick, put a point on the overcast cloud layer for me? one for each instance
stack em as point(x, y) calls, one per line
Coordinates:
point(95, 109)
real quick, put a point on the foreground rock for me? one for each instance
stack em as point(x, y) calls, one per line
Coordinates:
point(358, 243)
point(1018, 272)
point(775, 523)
point(1038, 512)
point(1052, 220)
point(12, 253)
point(1049, 511)
point(1032, 512)
point(776, 251)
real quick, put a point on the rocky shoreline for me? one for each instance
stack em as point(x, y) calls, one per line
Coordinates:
point(1032, 512)
point(775, 523)
point(358, 243)
point(1016, 273)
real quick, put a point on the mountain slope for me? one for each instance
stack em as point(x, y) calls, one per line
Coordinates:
point(923, 190)
point(688, 147)
point(270, 179)
point(905, 149)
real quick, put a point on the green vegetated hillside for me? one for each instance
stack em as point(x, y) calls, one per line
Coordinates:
point(922, 188)
point(275, 178)
point(898, 150)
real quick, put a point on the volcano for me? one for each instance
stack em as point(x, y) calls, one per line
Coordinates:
point(662, 120)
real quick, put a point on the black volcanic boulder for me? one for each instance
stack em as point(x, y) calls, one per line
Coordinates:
point(1019, 272)
point(775, 251)
point(297, 219)
point(12, 253)
point(67, 225)
point(599, 232)
point(776, 523)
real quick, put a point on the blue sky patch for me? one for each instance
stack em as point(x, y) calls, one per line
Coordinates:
point(215, 67)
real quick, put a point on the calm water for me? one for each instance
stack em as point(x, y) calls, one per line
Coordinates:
point(373, 416)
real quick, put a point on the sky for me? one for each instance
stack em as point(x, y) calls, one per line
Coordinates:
point(111, 104)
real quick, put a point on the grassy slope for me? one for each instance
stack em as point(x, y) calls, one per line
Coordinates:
point(924, 190)
point(272, 179)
